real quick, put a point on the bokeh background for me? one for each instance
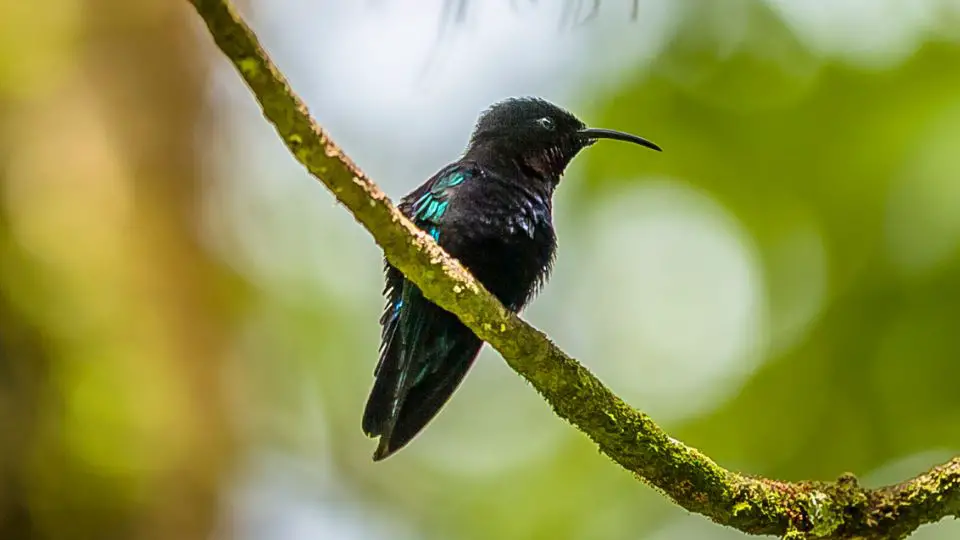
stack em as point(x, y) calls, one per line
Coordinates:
point(188, 322)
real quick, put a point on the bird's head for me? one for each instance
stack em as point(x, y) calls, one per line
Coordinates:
point(538, 135)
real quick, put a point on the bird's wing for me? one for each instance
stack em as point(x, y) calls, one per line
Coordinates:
point(425, 206)
point(414, 341)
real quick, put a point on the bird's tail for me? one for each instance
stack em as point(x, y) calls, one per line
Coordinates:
point(410, 391)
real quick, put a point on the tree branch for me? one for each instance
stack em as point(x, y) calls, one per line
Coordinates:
point(841, 509)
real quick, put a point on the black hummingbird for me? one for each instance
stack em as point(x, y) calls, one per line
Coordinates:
point(491, 210)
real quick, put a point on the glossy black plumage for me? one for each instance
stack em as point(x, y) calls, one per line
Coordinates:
point(492, 210)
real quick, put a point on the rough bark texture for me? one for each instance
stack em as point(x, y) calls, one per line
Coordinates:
point(840, 509)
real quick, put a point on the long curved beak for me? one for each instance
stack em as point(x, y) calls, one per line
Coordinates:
point(591, 135)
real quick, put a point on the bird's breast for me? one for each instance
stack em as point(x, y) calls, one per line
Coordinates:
point(524, 226)
point(510, 250)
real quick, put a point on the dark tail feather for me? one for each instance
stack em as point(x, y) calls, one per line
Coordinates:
point(377, 412)
point(450, 358)
point(388, 367)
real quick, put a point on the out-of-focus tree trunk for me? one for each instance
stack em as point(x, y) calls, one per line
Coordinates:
point(112, 418)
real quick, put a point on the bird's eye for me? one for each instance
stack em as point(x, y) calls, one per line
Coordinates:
point(546, 122)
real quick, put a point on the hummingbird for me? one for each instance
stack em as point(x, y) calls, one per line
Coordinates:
point(492, 211)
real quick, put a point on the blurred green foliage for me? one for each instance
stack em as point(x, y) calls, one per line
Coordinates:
point(876, 375)
point(142, 347)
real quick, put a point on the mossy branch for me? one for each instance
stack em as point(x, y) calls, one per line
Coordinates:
point(840, 509)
